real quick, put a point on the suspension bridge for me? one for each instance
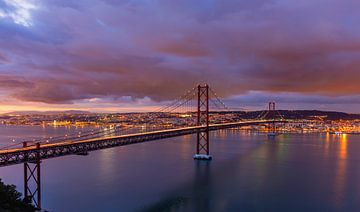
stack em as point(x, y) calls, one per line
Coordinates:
point(200, 108)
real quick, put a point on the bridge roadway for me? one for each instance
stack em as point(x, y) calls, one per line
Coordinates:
point(29, 154)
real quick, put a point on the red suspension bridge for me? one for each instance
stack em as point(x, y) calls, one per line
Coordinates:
point(196, 105)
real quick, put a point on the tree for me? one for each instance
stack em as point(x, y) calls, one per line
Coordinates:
point(10, 200)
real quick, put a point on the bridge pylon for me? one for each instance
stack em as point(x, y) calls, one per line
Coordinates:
point(32, 174)
point(202, 144)
point(272, 125)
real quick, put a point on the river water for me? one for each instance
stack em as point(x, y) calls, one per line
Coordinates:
point(249, 172)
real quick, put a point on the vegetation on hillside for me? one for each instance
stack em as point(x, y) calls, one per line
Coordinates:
point(10, 200)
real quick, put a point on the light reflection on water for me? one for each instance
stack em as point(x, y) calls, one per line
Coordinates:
point(315, 172)
point(340, 173)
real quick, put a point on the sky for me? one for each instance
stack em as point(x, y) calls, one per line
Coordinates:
point(135, 55)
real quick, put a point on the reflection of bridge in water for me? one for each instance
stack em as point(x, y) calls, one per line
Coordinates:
point(31, 153)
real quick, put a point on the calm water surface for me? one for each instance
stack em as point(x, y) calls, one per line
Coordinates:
point(316, 172)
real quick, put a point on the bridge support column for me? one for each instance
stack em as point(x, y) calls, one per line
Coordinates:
point(202, 145)
point(32, 175)
point(272, 126)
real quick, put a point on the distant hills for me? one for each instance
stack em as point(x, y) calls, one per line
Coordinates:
point(316, 114)
point(66, 112)
point(305, 114)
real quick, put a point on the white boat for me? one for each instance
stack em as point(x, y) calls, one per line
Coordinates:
point(271, 134)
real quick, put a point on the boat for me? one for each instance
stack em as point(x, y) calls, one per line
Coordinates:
point(271, 134)
point(337, 133)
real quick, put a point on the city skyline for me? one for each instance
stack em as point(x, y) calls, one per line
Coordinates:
point(122, 56)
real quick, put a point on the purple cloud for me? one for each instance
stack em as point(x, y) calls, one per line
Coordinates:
point(77, 50)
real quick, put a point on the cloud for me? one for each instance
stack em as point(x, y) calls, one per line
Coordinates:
point(19, 11)
point(76, 50)
point(8, 82)
point(3, 59)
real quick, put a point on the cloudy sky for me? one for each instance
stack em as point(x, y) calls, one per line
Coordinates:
point(123, 55)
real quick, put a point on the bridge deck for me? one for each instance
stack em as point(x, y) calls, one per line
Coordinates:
point(26, 154)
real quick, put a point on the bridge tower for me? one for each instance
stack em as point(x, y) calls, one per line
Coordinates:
point(202, 145)
point(32, 174)
point(271, 115)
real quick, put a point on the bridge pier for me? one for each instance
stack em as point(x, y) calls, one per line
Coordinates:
point(32, 173)
point(272, 125)
point(202, 144)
